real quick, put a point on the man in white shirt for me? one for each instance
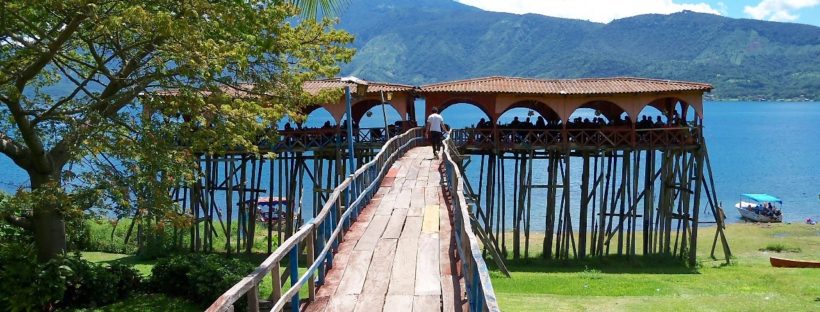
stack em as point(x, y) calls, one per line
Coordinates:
point(435, 130)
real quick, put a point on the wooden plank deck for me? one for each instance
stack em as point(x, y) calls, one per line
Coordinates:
point(399, 255)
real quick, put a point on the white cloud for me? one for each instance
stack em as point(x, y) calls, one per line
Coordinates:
point(778, 10)
point(594, 10)
point(722, 8)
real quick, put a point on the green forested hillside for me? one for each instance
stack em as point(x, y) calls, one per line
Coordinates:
point(424, 41)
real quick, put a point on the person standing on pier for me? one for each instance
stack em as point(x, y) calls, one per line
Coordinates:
point(435, 130)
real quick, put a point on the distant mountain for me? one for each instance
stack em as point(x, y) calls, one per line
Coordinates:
point(422, 41)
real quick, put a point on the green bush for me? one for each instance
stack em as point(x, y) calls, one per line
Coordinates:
point(89, 285)
point(199, 278)
point(27, 285)
point(129, 279)
point(777, 247)
point(78, 234)
point(105, 237)
point(157, 245)
point(93, 285)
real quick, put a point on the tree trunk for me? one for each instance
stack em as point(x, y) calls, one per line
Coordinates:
point(49, 226)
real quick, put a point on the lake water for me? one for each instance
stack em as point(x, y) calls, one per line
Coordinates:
point(755, 147)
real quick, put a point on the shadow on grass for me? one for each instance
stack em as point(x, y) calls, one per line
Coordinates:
point(608, 264)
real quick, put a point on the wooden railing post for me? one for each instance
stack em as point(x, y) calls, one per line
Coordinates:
point(321, 234)
point(253, 299)
point(276, 283)
point(293, 266)
point(310, 259)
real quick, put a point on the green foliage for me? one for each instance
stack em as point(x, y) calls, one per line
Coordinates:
point(590, 273)
point(778, 247)
point(197, 277)
point(147, 302)
point(69, 281)
point(129, 280)
point(424, 41)
point(26, 285)
point(78, 82)
point(109, 236)
point(89, 284)
point(78, 234)
point(9, 232)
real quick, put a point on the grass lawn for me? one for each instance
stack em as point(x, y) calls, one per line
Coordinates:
point(144, 267)
point(109, 236)
point(748, 284)
point(618, 284)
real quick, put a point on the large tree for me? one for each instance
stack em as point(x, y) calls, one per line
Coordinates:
point(77, 78)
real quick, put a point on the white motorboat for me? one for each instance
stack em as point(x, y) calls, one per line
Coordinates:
point(760, 207)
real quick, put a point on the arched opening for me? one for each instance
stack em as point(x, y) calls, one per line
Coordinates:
point(377, 120)
point(597, 114)
point(460, 115)
point(376, 116)
point(529, 114)
point(360, 109)
point(689, 115)
point(676, 111)
point(651, 117)
point(315, 116)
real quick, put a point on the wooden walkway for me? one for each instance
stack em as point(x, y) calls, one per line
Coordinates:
point(399, 255)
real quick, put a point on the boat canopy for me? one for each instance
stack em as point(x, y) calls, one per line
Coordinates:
point(762, 198)
point(269, 201)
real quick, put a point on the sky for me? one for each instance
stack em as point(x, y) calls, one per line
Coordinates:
point(795, 11)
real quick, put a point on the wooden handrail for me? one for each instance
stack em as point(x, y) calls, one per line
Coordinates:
point(606, 136)
point(480, 293)
point(322, 232)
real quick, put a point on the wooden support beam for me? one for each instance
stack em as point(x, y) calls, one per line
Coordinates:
point(582, 218)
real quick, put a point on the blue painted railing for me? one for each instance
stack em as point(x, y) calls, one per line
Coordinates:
point(480, 294)
point(321, 234)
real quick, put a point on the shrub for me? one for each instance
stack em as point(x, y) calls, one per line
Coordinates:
point(157, 244)
point(199, 278)
point(78, 234)
point(776, 247)
point(129, 279)
point(106, 237)
point(89, 284)
point(27, 285)
point(93, 285)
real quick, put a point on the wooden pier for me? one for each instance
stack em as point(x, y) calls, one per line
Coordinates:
point(404, 231)
point(396, 235)
point(400, 254)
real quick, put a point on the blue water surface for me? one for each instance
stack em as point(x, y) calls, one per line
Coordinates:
point(766, 147)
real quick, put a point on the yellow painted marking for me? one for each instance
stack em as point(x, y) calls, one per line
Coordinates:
point(430, 223)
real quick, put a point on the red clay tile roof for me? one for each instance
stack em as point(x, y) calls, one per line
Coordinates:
point(314, 86)
point(515, 85)
point(311, 86)
point(587, 86)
